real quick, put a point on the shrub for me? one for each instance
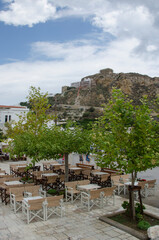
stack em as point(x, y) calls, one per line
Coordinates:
point(144, 225)
point(126, 206)
point(138, 208)
point(139, 217)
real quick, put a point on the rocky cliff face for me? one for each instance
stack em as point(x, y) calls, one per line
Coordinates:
point(96, 89)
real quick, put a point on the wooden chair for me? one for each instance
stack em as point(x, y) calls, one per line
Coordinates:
point(150, 187)
point(21, 171)
point(34, 208)
point(53, 205)
point(34, 191)
point(108, 193)
point(56, 168)
point(49, 182)
point(37, 176)
point(104, 181)
point(61, 182)
point(62, 168)
point(93, 198)
point(16, 197)
point(115, 181)
point(75, 175)
point(13, 167)
point(83, 182)
point(81, 165)
point(86, 173)
point(71, 192)
point(5, 192)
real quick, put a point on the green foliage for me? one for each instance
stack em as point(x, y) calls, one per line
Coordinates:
point(37, 139)
point(2, 137)
point(127, 135)
point(25, 104)
point(144, 225)
point(138, 208)
point(126, 206)
point(58, 140)
point(26, 132)
point(52, 191)
point(139, 217)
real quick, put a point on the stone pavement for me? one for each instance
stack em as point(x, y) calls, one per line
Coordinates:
point(77, 224)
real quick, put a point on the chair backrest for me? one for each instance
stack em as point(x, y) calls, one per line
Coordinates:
point(125, 177)
point(8, 188)
point(151, 183)
point(71, 184)
point(77, 172)
point(115, 178)
point(51, 179)
point(12, 179)
point(62, 177)
point(9, 176)
point(53, 201)
point(142, 184)
point(108, 191)
point(62, 168)
point(36, 204)
point(34, 190)
point(17, 191)
point(21, 169)
point(56, 167)
point(83, 182)
point(81, 165)
point(94, 194)
point(104, 177)
point(37, 173)
point(86, 172)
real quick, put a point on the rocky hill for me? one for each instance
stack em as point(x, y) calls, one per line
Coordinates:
point(85, 98)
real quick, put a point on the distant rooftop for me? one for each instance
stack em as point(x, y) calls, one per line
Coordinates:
point(6, 106)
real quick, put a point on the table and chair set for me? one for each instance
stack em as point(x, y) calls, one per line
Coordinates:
point(123, 182)
point(92, 188)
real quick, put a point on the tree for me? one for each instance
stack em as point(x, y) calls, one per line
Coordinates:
point(57, 141)
point(26, 132)
point(128, 137)
point(34, 136)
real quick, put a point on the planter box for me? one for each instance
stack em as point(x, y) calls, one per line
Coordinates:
point(129, 230)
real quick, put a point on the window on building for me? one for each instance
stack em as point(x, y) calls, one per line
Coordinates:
point(6, 118)
point(9, 118)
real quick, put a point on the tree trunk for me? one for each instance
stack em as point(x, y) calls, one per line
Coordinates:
point(66, 167)
point(131, 197)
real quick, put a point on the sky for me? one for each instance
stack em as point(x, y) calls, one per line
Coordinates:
point(52, 43)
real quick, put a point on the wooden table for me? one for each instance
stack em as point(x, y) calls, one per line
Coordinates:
point(49, 174)
point(32, 198)
point(88, 187)
point(100, 173)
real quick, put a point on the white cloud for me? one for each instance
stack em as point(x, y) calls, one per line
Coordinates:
point(134, 25)
point(53, 74)
point(27, 12)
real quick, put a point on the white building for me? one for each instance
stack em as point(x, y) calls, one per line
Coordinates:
point(11, 113)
